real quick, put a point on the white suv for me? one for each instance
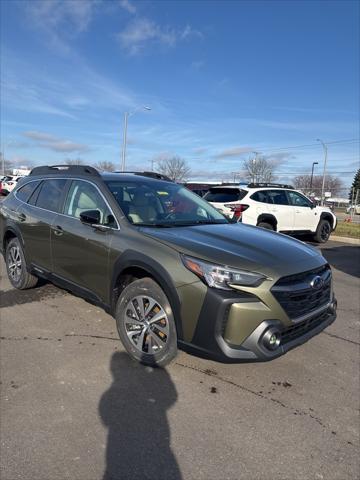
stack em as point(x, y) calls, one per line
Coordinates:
point(273, 206)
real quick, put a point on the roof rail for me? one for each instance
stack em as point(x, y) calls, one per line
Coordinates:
point(156, 175)
point(50, 169)
point(260, 185)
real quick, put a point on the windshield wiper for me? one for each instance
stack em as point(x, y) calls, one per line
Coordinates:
point(156, 225)
point(201, 222)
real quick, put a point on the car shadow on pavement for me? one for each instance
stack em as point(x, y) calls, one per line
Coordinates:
point(134, 411)
point(42, 291)
point(345, 258)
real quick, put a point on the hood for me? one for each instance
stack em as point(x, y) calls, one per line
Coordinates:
point(241, 246)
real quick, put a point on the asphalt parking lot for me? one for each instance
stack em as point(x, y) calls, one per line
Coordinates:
point(74, 406)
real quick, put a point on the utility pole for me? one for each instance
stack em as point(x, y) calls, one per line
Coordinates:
point(312, 175)
point(324, 171)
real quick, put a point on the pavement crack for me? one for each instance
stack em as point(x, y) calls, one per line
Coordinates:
point(90, 336)
point(295, 411)
point(340, 338)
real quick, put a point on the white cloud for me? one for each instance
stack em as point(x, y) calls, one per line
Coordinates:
point(54, 143)
point(128, 6)
point(141, 32)
point(233, 152)
point(189, 32)
point(61, 20)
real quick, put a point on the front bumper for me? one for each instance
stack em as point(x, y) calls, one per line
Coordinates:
point(225, 316)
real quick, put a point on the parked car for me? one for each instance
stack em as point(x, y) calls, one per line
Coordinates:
point(167, 265)
point(353, 208)
point(275, 207)
point(8, 185)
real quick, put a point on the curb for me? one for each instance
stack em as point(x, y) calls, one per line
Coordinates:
point(353, 241)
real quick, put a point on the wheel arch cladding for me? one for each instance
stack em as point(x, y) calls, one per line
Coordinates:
point(328, 217)
point(267, 218)
point(137, 265)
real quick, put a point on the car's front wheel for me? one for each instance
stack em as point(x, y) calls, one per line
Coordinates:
point(145, 323)
point(323, 231)
point(16, 267)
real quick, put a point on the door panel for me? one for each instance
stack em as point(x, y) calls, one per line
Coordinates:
point(35, 219)
point(279, 206)
point(34, 224)
point(306, 218)
point(81, 254)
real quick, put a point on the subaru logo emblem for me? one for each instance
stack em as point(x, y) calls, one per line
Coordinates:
point(317, 282)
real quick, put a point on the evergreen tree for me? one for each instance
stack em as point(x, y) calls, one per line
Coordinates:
point(355, 186)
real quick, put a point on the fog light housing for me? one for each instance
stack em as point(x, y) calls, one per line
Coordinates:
point(271, 339)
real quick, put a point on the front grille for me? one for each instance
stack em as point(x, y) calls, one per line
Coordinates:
point(301, 328)
point(297, 297)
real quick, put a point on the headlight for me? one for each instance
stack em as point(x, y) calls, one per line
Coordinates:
point(219, 276)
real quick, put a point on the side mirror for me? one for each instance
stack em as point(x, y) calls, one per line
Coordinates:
point(90, 217)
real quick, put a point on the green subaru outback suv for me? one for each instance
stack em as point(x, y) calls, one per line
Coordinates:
point(169, 267)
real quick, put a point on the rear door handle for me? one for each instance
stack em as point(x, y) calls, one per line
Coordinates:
point(57, 230)
point(21, 217)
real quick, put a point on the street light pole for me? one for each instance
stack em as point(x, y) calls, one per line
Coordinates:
point(312, 175)
point(254, 166)
point(126, 117)
point(324, 171)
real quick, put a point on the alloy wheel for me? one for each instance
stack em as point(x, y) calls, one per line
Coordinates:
point(146, 324)
point(325, 231)
point(15, 263)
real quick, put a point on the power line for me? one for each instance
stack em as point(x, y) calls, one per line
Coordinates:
point(352, 140)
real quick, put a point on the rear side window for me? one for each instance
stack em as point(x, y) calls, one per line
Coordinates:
point(260, 196)
point(277, 197)
point(50, 194)
point(24, 193)
point(225, 195)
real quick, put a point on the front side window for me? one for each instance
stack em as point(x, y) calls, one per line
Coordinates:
point(83, 196)
point(159, 204)
point(50, 195)
point(299, 200)
point(277, 197)
point(23, 193)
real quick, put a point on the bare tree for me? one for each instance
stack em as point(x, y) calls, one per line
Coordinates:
point(333, 184)
point(105, 166)
point(176, 168)
point(259, 170)
point(74, 161)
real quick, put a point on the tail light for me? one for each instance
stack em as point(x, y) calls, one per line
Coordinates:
point(238, 209)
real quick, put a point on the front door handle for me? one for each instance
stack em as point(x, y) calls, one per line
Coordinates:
point(21, 217)
point(58, 230)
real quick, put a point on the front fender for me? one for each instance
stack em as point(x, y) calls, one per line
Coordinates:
point(131, 259)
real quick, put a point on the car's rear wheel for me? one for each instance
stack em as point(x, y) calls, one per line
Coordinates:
point(323, 231)
point(265, 225)
point(145, 323)
point(16, 266)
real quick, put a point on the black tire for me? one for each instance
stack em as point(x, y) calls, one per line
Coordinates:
point(265, 225)
point(16, 266)
point(323, 231)
point(158, 336)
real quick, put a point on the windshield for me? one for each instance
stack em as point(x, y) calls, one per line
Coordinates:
point(225, 195)
point(161, 204)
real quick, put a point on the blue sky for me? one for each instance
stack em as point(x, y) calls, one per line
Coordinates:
point(223, 79)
